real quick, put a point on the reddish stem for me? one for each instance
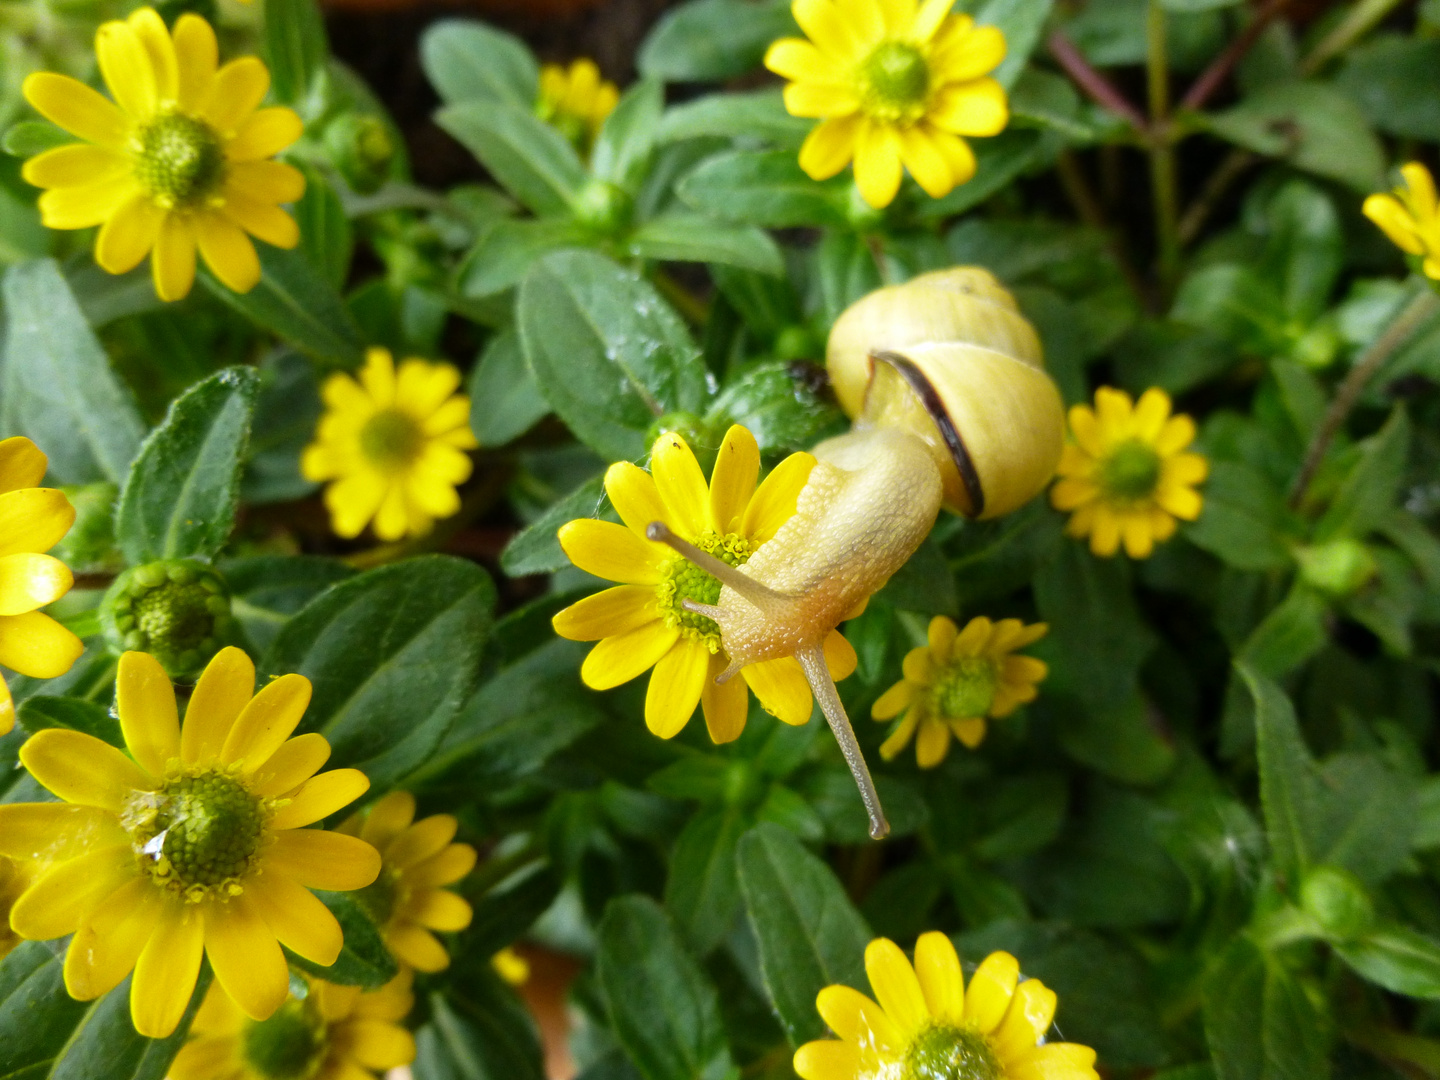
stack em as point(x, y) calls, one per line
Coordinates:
point(1220, 68)
point(1093, 83)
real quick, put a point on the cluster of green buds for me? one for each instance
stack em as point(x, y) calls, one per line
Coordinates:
point(362, 149)
point(178, 610)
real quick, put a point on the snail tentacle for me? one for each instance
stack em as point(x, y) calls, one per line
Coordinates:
point(817, 674)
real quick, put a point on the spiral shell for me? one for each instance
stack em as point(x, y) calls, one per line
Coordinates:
point(949, 358)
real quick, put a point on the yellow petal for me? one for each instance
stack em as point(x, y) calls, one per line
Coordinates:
point(22, 464)
point(877, 163)
point(634, 495)
point(795, 58)
point(1068, 494)
point(926, 163)
point(681, 485)
point(64, 896)
point(295, 762)
point(82, 769)
point(733, 480)
point(937, 967)
point(842, 37)
point(87, 205)
point(417, 947)
point(829, 147)
point(901, 736)
point(228, 252)
point(857, 1019)
point(618, 659)
point(105, 949)
point(173, 262)
point(264, 134)
point(971, 730)
point(128, 71)
point(890, 704)
point(352, 501)
point(53, 831)
point(74, 166)
point(608, 613)
point(675, 687)
point(263, 220)
point(440, 909)
point(266, 722)
point(973, 639)
point(933, 742)
point(840, 658)
point(196, 56)
point(7, 709)
point(1105, 534)
point(323, 860)
point(388, 818)
point(239, 87)
point(1395, 221)
point(446, 868)
point(378, 1045)
point(1055, 1061)
point(930, 17)
point(990, 990)
point(918, 666)
point(222, 691)
point(1135, 530)
point(34, 644)
point(33, 519)
point(1421, 189)
point(830, 100)
point(941, 635)
point(774, 501)
point(726, 705)
point(129, 235)
point(166, 972)
point(29, 581)
point(423, 840)
point(781, 688)
point(320, 797)
point(956, 151)
point(294, 915)
point(827, 1059)
point(962, 53)
point(973, 108)
point(247, 959)
point(896, 988)
point(612, 552)
point(145, 701)
point(1026, 1021)
point(78, 109)
point(264, 182)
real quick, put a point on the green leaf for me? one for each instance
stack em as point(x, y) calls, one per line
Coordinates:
point(56, 385)
point(530, 158)
point(507, 911)
point(710, 40)
point(1396, 81)
point(505, 402)
point(391, 654)
point(998, 163)
point(295, 301)
point(702, 889)
point(663, 1008)
point(1288, 786)
point(1243, 520)
point(43, 711)
point(1368, 813)
point(1367, 497)
point(466, 60)
point(625, 142)
point(1292, 632)
point(296, 48)
point(364, 960)
point(754, 114)
point(1259, 1022)
point(536, 549)
point(1397, 958)
point(478, 1030)
point(686, 237)
point(182, 491)
point(287, 411)
point(1313, 126)
point(609, 354)
point(810, 935)
point(764, 188)
point(508, 249)
point(325, 233)
point(782, 411)
point(265, 590)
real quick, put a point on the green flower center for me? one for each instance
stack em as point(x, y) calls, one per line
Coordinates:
point(942, 1052)
point(379, 897)
point(197, 833)
point(391, 440)
point(966, 688)
point(289, 1046)
point(685, 581)
point(1130, 471)
point(177, 610)
point(179, 160)
point(897, 81)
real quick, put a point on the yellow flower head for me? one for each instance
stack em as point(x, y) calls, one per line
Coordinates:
point(894, 82)
point(1411, 217)
point(575, 101)
point(929, 1023)
point(393, 444)
point(511, 966)
point(955, 681)
point(643, 622)
point(409, 898)
point(32, 521)
point(1124, 472)
point(332, 1033)
point(179, 160)
point(192, 843)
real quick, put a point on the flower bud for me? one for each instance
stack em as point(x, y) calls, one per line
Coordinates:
point(178, 610)
point(1338, 568)
point(603, 207)
point(362, 150)
point(1337, 900)
point(89, 546)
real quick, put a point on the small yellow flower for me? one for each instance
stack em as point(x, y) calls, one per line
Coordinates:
point(393, 444)
point(331, 1033)
point(194, 843)
point(575, 101)
point(929, 1023)
point(511, 966)
point(179, 160)
point(32, 521)
point(643, 622)
point(1125, 473)
point(1411, 217)
point(894, 82)
point(957, 680)
point(408, 899)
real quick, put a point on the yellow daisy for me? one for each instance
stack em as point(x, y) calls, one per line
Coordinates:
point(957, 680)
point(408, 899)
point(929, 1023)
point(32, 521)
point(193, 843)
point(894, 82)
point(576, 100)
point(1411, 217)
point(1125, 474)
point(642, 622)
point(331, 1033)
point(393, 444)
point(179, 159)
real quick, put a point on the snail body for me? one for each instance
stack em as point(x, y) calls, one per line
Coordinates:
point(945, 381)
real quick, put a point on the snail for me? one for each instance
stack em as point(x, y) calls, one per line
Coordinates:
point(945, 382)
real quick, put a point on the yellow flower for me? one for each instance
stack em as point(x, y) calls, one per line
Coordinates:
point(1411, 217)
point(894, 82)
point(32, 521)
point(642, 622)
point(408, 899)
point(178, 160)
point(393, 443)
point(331, 1033)
point(511, 966)
point(193, 843)
point(1124, 472)
point(929, 1023)
point(957, 680)
point(577, 101)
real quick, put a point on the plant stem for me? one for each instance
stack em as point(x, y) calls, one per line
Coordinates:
point(1220, 68)
point(1162, 148)
point(1425, 304)
point(1235, 163)
point(1092, 82)
point(1361, 20)
point(1087, 205)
